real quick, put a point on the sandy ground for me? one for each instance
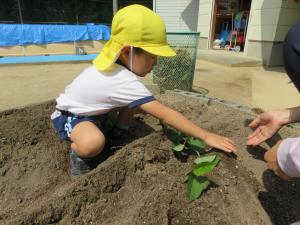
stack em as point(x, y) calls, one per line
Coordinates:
point(251, 86)
point(27, 84)
point(141, 183)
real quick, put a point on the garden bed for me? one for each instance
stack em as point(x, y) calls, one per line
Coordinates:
point(141, 183)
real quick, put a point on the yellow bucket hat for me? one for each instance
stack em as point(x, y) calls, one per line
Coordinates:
point(137, 26)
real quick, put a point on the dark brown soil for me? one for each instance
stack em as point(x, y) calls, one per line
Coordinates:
point(142, 183)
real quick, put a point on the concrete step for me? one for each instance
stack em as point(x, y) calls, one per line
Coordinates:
point(228, 58)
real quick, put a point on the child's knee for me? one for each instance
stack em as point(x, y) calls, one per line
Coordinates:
point(90, 145)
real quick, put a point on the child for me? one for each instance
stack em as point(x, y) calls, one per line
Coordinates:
point(138, 37)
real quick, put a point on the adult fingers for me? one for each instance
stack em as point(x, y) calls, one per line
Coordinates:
point(254, 124)
point(260, 136)
point(253, 134)
point(254, 141)
point(256, 138)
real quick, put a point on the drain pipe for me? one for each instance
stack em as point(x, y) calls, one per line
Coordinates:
point(21, 21)
point(115, 6)
point(20, 11)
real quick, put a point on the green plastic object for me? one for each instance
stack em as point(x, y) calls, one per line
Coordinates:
point(178, 72)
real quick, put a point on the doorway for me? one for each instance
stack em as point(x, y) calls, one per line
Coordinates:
point(229, 24)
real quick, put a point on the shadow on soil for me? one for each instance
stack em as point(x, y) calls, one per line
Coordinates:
point(282, 206)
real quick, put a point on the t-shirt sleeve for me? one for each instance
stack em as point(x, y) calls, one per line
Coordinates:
point(288, 156)
point(132, 94)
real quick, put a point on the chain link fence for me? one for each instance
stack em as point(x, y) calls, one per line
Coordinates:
point(177, 72)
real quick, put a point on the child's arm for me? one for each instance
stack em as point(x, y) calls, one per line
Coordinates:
point(179, 122)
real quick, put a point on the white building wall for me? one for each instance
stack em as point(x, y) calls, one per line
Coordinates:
point(269, 22)
point(204, 22)
point(289, 16)
point(178, 15)
point(263, 19)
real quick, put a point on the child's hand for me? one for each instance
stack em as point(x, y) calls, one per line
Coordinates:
point(220, 142)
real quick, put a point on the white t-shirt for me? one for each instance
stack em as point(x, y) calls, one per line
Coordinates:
point(94, 92)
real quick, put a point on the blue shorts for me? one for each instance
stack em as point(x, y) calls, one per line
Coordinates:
point(64, 122)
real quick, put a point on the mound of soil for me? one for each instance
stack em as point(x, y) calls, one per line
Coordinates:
point(141, 183)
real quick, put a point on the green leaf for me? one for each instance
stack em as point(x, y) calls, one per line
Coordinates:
point(196, 143)
point(196, 185)
point(205, 167)
point(199, 150)
point(178, 148)
point(202, 159)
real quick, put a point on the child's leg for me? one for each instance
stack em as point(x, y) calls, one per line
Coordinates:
point(119, 132)
point(87, 140)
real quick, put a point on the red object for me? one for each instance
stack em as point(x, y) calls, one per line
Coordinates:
point(240, 39)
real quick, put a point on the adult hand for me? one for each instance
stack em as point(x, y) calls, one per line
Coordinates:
point(220, 142)
point(266, 125)
point(272, 162)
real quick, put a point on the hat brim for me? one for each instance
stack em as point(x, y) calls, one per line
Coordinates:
point(160, 50)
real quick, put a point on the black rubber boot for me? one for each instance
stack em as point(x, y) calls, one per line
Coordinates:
point(81, 166)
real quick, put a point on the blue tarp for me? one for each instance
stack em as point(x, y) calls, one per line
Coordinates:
point(28, 34)
point(46, 59)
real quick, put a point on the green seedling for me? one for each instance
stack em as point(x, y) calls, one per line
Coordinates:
point(196, 145)
point(195, 186)
point(182, 142)
point(205, 164)
point(196, 181)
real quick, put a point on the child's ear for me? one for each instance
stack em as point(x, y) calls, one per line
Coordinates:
point(125, 50)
